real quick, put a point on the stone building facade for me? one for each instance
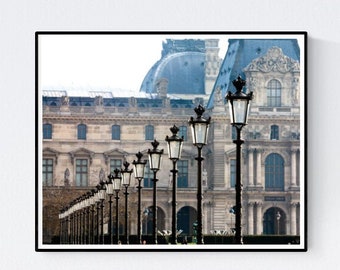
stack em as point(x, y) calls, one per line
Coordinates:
point(85, 138)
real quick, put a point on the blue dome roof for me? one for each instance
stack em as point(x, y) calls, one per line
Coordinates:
point(184, 69)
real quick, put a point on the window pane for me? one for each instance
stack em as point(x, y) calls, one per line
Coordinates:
point(149, 132)
point(182, 177)
point(183, 132)
point(148, 176)
point(274, 173)
point(115, 164)
point(47, 172)
point(81, 172)
point(47, 131)
point(274, 132)
point(232, 173)
point(115, 132)
point(274, 93)
point(81, 132)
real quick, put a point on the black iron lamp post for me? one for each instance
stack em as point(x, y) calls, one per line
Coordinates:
point(175, 144)
point(117, 183)
point(83, 207)
point(78, 221)
point(97, 201)
point(109, 192)
point(155, 158)
point(92, 206)
point(199, 129)
point(62, 227)
point(126, 179)
point(74, 217)
point(88, 228)
point(239, 104)
point(102, 193)
point(139, 166)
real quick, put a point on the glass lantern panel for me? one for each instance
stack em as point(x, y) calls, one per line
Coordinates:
point(155, 161)
point(139, 170)
point(117, 182)
point(126, 176)
point(240, 111)
point(109, 189)
point(175, 148)
point(201, 133)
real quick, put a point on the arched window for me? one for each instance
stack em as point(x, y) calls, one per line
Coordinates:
point(115, 132)
point(274, 173)
point(47, 131)
point(186, 218)
point(274, 221)
point(149, 133)
point(274, 132)
point(274, 93)
point(81, 132)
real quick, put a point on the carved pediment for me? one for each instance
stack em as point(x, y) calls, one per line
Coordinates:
point(114, 152)
point(81, 152)
point(49, 152)
point(274, 60)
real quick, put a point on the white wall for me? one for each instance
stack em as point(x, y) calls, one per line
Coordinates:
point(18, 22)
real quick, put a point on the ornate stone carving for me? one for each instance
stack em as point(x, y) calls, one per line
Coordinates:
point(218, 96)
point(274, 60)
point(98, 101)
point(65, 101)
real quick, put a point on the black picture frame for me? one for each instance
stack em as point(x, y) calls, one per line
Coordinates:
point(297, 194)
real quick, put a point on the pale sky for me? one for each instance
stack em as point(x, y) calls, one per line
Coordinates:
point(102, 62)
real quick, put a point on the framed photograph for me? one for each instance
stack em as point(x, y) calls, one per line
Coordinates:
point(171, 141)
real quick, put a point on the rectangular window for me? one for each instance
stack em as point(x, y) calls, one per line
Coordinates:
point(183, 132)
point(115, 164)
point(115, 132)
point(81, 172)
point(233, 133)
point(149, 133)
point(47, 172)
point(182, 178)
point(232, 173)
point(47, 131)
point(274, 132)
point(148, 176)
point(81, 132)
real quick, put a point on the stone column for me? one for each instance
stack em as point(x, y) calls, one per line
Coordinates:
point(259, 225)
point(258, 168)
point(293, 168)
point(250, 218)
point(251, 167)
point(293, 218)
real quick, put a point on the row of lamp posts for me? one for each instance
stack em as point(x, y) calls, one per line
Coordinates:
point(78, 212)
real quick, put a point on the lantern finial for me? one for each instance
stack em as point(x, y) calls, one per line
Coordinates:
point(174, 130)
point(239, 83)
point(155, 144)
point(199, 110)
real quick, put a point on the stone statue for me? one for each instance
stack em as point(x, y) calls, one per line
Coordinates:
point(67, 178)
point(65, 100)
point(101, 175)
